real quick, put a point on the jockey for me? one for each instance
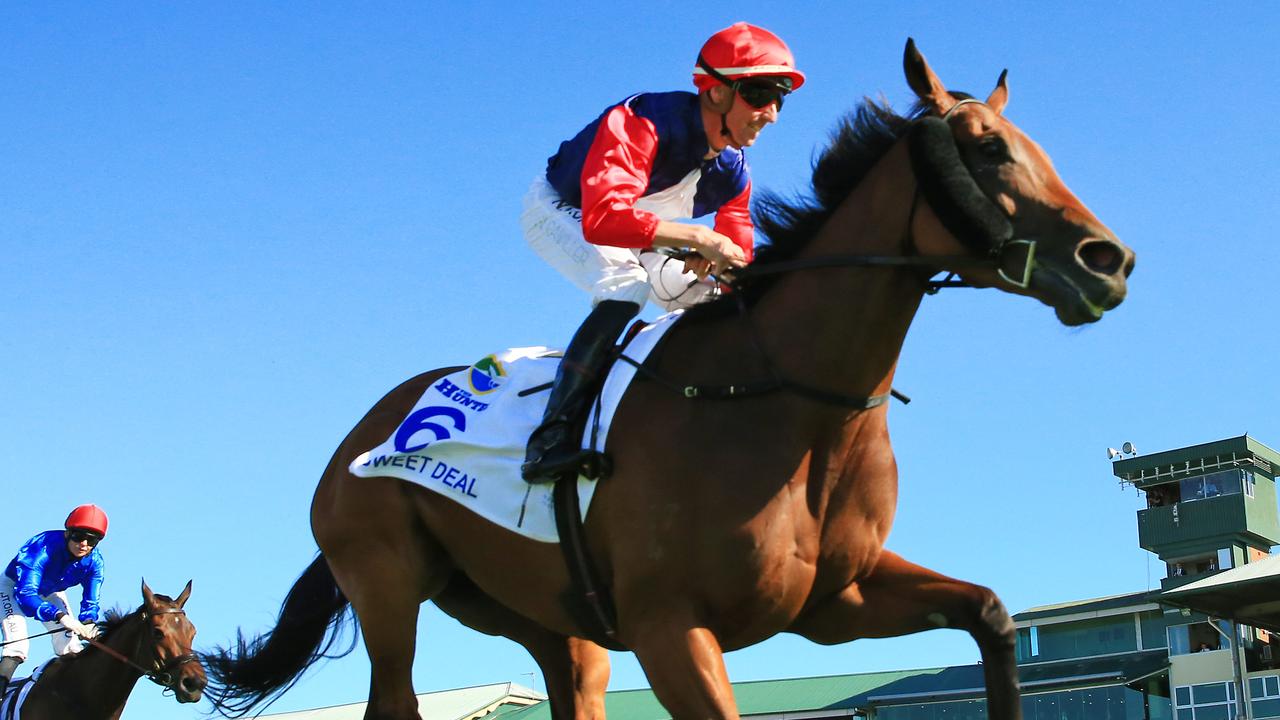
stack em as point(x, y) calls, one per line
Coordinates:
point(610, 194)
point(33, 584)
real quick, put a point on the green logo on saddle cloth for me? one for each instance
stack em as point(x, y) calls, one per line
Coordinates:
point(486, 375)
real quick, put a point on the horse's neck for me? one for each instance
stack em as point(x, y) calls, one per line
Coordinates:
point(99, 683)
point(843, 328)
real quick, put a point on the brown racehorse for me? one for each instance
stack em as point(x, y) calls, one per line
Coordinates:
point(94, 684)
point(729, 521)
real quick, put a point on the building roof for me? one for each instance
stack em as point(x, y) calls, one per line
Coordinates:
point(1249, 594)
point(966, 682)
point(460, 704)
point(856, 693)
point(1092, 605)
point(1172, 465)
point(761, 697)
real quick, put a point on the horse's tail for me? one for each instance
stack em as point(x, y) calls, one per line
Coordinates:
point(260, 670)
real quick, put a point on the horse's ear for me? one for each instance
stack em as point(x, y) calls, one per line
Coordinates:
point(1000, 96)
point(147, 596)
point(182, 597)
point(923, 82)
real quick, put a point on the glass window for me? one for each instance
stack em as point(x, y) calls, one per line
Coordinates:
point(1192, 488)
point(1224, 559)
point(1194, 637)
point(1264, 686)
point(1153, 634)
point(1210, 701)
point(1225, 482)
point(1268, 708)
point(1211, 693)
point(1086, 638)
point(1248, 483)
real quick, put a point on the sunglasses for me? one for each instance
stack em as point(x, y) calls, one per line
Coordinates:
point(761, 94)
point(77, 536)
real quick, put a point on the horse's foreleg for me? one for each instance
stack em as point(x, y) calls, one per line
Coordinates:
point(685, 667)
point(900, 598)
point(576, 671)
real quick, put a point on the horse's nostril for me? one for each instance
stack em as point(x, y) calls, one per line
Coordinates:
point(1101, 256)
point(193, 684)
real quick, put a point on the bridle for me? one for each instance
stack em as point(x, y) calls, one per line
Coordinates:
point(994, 258)
point(160, 674)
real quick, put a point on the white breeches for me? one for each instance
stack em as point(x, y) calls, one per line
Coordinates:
point(13, 628)
point(554, 231)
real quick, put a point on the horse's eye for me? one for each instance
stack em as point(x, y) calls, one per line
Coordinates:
point(157, 633)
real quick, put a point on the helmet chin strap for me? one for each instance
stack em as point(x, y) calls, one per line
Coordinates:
point(724, 121)
point(726, 133)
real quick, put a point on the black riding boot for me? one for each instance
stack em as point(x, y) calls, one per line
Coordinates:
point(7, 667)
point(553, 448)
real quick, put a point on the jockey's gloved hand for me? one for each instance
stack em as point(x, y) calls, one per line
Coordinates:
point(75, 626)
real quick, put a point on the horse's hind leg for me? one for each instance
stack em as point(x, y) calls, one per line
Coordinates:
point(576, 670)
point(387, 566)
point(900, 598)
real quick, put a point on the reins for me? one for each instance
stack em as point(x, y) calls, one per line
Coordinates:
point(25, 639)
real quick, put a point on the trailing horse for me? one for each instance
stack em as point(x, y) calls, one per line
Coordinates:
point(729, 521)
point(94, 684)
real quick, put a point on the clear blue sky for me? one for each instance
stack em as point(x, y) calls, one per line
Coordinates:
point(228, 228)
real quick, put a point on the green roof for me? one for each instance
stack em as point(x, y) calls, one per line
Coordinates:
point(1171, 465)
point(861, 691)
point(760, 697)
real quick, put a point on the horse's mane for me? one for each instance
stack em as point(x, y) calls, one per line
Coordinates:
point(859, 141)
point(112, 620)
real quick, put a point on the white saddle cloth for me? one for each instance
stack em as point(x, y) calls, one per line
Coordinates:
point(465, 438)
point(16, 693)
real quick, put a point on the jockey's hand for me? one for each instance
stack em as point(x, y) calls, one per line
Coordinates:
point(77, 627)
point(697, 265)
point(722, 252)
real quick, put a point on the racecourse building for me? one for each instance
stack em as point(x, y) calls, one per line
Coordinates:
point(1199, 648)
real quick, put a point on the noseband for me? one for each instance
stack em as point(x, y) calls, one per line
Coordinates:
point(160, 674)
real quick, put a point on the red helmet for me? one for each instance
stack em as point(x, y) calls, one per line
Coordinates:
point(741, 51)
point(88, 517)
